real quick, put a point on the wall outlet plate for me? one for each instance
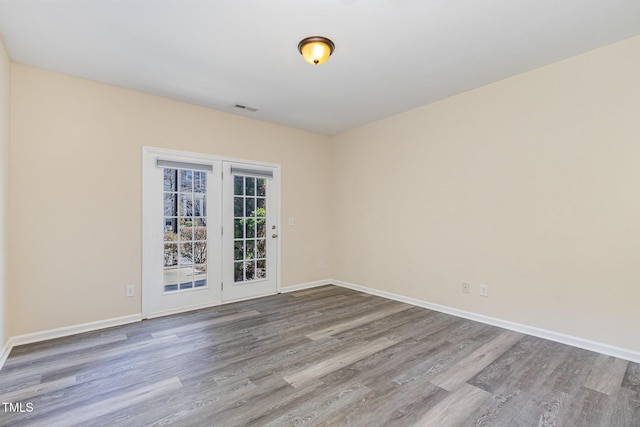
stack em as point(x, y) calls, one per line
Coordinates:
point(484, 290)
point(465, 287)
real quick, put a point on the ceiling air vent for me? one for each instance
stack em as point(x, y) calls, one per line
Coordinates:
point(246, 107)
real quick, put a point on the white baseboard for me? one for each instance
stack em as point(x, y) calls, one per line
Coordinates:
point(64, 332)
point(609, 350)
point(102, 324)
point(598, 347)
point(180, 310)
point(72, 330)
point(304, 286)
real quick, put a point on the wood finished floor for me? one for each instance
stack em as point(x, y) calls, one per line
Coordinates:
point(324, 356)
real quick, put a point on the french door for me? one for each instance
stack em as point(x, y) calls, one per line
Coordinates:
point(250, 245)
point(210, 230)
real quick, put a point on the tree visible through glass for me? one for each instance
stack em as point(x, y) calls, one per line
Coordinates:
point(250, 228)
point(185, 229)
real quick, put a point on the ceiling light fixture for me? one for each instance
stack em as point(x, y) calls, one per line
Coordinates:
point(316, 50)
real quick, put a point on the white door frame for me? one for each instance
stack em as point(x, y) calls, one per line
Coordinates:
point(152, 224)
point(233, 291)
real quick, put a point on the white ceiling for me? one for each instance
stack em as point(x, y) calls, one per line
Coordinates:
point(391, 55)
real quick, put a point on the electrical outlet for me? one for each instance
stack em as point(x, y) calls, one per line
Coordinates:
point(131, 290)
point(321, 265)
point(465, 287)
point(484, 290)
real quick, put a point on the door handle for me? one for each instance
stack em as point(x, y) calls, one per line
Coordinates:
point(274, 235)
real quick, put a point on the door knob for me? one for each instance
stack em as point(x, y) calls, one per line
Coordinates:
point(274, 235)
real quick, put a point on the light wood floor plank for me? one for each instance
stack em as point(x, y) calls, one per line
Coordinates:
point(80, 415)
point(466, 368)
point(499, 411)
point(338, 361)
point(623, 409)
point(606, 374)
point(572, 371)
point(396, 405)
point(54, 351)
point(17, 382)
point(89, 358)
point(542, 410)
point(587, 409)
point(631, 379)
point(368, 318)
point(205, 323)
point(38, 389)
point(323, 405)
point(455, 408)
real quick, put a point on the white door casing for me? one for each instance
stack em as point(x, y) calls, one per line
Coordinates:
point(251, 230)
point(159, 299)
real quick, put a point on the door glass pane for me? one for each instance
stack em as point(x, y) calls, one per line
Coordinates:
point(250, 207)
point(261, 269)
point(238, 185)
point(200, 182)
point(200, 276)
point(199, 252)
point(261, 228)
point(238, 225)
point(185, 229)
point(188, 281)
point(199, 206)
point(170, 228)
point(238, 275)
point(262, 205)
point(170, 279)
point(250, 228)
point(261, 187)
point(170, 254)
point(238, 205)
point(238, 250)
point(186, 254)
point(185, 181)
point(199, 230)
point(170, 180)
point(185, 204)
point(249, 185)
point(261, 248)
point(249, 270)
point(170, 200)
point(249, 251)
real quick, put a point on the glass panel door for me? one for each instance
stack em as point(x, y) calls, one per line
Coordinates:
point(250, 228)
point(249, 253)
point(185, 229)
point(209, 231)
point(181, 250)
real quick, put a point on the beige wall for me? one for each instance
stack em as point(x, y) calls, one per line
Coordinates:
point(5, 85)
point(75, 239)
point(530, 185)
